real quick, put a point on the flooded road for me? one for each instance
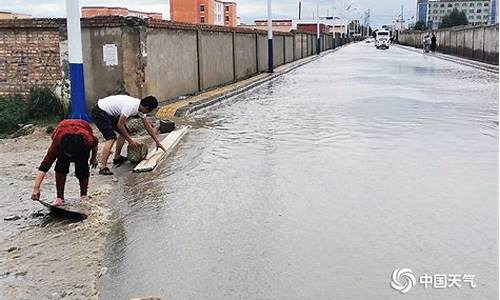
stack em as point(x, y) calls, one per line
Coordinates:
point(319, 184)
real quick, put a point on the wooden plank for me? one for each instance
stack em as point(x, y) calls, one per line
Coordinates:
point(155, 156)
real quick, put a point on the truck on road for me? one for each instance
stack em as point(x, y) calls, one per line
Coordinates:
point(382, 39)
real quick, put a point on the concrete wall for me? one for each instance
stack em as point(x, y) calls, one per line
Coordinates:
point(169, 58)
point(262, 52)
point(490, 47)
point(216, 59)
point(245, 60)
point(157, 58)
point(289, 49)
point(278, 42)
point(479, 43)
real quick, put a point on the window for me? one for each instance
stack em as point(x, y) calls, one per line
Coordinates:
point(450, 5)
point(202, 20)
point(442, 5)
point(471, 10)
point(227, 18)
point(227, 8)
point(478, 11)
point(472, 4)
point(486, 4)
point(202, 7)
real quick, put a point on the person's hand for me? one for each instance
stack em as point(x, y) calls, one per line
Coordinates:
point(135, 145)
point(94, 163)
point(35, 194)
point(160, 146)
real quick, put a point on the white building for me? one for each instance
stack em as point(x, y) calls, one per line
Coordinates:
point(477, 11)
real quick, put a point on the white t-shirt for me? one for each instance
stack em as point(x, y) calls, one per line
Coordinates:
point(121, 105)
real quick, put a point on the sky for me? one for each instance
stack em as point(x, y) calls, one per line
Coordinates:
point(382, 11)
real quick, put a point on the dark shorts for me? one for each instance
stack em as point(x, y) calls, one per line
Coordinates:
point(81, 164)
point(106, 124)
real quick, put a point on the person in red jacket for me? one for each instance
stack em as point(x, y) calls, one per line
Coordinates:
point(72, 141)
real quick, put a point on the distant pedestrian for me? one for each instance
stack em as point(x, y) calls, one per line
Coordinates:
point(433, 42)
point(110, 115)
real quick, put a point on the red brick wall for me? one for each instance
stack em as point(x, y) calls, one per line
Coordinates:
point(29, 57)
point(185, 11)
point(231, 13)
point(312, 28)
point(91, 12)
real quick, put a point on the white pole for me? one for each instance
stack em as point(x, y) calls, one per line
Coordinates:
point(270, 52)
point(318, 35)
point(78, 107)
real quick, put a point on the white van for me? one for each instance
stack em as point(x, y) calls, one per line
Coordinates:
point(382, 39)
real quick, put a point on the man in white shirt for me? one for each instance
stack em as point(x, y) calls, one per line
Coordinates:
point(110, 115)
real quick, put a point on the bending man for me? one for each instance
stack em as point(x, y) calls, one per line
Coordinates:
point(110, 115)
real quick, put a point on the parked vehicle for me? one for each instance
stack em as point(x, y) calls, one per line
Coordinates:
point(382, 39)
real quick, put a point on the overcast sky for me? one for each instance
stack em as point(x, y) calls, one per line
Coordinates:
point(382, 11)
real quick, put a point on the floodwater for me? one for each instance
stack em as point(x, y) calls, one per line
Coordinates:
point(319, 184)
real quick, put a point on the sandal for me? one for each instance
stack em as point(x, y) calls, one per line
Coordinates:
point(120, 160)
point(84, 199)
point(58, 202)
point(105, 171)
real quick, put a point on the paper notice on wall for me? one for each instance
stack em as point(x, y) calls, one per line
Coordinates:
point(110, 54)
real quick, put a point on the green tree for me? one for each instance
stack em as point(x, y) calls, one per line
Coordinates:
point(420, 25)
point(454, 18)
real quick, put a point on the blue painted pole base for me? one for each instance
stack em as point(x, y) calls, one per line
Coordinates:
point(270, 56)
point(78, 107)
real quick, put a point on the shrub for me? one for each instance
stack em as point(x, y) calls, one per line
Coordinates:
point(43, 103)
point(12, 113)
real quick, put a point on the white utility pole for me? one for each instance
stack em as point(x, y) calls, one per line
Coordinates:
point(270, 51)
point(318, 34)
point(78, 107)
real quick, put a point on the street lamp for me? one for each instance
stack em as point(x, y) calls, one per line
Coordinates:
point(270, 51)
point(78, 109)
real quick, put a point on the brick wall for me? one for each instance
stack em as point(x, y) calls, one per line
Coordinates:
point(29, 57)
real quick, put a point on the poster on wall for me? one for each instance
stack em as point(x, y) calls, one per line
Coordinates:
point(110, 54)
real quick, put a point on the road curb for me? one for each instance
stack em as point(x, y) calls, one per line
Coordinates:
point(185, 107)
point(455, 59)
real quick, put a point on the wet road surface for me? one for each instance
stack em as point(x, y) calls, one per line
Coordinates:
point(319, 184)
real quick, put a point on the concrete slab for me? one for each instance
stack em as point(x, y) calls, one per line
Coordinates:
point(155, 156)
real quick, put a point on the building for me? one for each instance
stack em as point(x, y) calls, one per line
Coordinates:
point(99, 11)
point(494, 12)
point(285, 25)
point(312, 27)
point(477, 11)
point(7, 15)
point(422, 9)
point(211, 12)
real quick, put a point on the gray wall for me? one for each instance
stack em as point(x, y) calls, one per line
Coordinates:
point(171, 50)
point(165, 59)
point(245, 60)
point(479, 43)
point(101, 80)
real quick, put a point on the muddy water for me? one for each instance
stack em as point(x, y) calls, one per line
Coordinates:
point(319, 184)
